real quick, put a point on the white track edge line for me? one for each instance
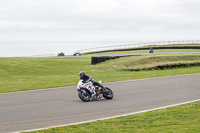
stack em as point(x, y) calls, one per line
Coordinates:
point(135, 80)
point(106, 118)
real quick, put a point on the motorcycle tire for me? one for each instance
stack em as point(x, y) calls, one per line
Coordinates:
point(108, 95)
point(84, 95)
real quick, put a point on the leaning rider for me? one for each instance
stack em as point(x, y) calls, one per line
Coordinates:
point(87, 78)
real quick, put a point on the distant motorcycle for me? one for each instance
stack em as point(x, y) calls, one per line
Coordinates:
point(77, 54)
point(87, 91)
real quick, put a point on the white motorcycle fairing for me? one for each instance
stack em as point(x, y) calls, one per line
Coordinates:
point(90, 87)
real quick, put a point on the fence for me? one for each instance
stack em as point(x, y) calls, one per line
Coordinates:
point(127, 46)
point(43, 55)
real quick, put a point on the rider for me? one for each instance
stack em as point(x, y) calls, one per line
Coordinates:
point(87, 78)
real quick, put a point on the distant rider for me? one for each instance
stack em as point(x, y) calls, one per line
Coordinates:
point(87, 78)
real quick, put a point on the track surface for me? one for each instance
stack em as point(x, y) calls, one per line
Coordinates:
point(136, 54)
point(45, 108)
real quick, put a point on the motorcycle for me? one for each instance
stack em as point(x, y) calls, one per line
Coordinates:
point(87, 91)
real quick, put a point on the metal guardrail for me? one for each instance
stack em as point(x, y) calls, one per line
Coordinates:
point(43, 55)
point(127, 46)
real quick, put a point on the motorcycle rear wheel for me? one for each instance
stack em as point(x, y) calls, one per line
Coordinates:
point(84, 95)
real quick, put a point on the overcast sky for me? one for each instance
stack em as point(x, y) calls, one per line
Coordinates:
point(119, 19)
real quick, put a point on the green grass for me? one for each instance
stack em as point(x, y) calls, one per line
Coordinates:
point(147, 62)
point(20, 74)
point(179, 119)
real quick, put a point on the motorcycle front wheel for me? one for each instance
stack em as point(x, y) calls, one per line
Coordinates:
point(108, 94)
point(84, 95)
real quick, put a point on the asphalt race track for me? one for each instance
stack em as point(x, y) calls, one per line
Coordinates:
point(136, 54)
point(45, 108)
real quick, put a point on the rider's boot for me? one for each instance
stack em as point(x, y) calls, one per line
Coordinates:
point(97, 91)
point(102, 89)
point(94, 95)
point(99, 85)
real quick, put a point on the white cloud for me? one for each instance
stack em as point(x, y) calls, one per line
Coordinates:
point(98, 17)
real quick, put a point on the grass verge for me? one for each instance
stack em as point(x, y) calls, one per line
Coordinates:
point(184, 118)
point(20, 74)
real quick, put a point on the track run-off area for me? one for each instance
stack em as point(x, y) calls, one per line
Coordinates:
point(28, 110)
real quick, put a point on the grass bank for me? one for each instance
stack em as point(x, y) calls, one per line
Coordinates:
point(20, 74)
point(185, 118)
point(147, 62)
